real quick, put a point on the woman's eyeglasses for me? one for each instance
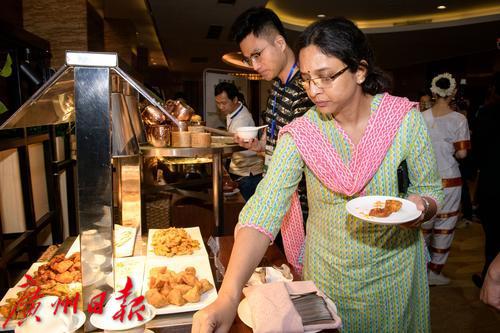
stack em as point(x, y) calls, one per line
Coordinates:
point(322, 81)
point(254, 57)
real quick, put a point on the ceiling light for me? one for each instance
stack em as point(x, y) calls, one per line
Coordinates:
point(441, 7)
point(321, 15)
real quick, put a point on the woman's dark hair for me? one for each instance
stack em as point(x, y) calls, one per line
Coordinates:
point(229, 88)
point(256, 20)
point(342, 39)
point(443, 83)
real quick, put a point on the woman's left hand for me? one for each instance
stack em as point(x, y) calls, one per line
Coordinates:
point(417, 200)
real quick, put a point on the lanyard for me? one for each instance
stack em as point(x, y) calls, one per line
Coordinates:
point(234, 115)
point(273, 123)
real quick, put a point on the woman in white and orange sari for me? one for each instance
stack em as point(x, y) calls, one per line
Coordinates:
point(350, 144)
point(450, 137)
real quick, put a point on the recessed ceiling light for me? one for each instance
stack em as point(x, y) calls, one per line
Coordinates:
point(321, 15)
point(441, 7)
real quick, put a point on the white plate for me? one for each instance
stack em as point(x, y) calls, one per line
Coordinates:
point(11, 293)
point(194, 232)
point(105, 320)
point(246, 315)
point(78, 319)
point(75, 247)
point(272, 275)
point(178, 264)
point(233, 192)
point(360, 207)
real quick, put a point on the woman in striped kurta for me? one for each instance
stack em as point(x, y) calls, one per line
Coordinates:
point(376, 274)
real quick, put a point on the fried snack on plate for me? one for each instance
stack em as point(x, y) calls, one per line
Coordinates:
point(393, 205)
point(173, 241)
point(390, 206)
point(59, 277)
point(168, 287)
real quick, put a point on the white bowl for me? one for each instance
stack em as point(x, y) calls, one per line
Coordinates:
point(247, 132)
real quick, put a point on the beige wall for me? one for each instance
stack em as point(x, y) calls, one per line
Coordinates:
point(63, 23)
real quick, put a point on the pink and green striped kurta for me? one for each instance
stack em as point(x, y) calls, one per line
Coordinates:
point(375, 274)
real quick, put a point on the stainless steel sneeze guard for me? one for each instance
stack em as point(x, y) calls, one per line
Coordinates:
point(80, 92)
point(53, 102)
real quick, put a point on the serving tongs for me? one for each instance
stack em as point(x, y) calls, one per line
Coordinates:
point(217, 131)
point(311, 307)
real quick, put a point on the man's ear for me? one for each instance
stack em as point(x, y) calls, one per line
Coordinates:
point(280, 41)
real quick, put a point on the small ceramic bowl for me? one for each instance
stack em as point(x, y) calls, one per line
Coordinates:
point(247, 133)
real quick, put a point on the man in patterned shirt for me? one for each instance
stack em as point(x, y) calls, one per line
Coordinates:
point(262, 40)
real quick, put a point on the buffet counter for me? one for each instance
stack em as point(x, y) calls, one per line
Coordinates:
point(181, 322)
point(215, 153)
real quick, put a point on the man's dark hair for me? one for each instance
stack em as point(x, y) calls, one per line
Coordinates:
point(258, 21)
point(229, 88)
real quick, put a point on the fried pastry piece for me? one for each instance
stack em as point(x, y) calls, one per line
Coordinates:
point(189, 279)
point(391, 206)
point(190, 270)
point(65, 277)
point(5, 310)
point(165, 290)
point(175, 297)
point(63, 266)
point(205, 285)
point(156, 299)
point(75, 257)
point(380, 212)
point(193, 295)
point(184, 288)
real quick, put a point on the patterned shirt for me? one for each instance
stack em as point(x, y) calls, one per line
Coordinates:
point(291, 102)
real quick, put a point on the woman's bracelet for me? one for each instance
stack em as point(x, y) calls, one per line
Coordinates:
point(427, 205)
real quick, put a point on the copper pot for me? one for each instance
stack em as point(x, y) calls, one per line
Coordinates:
point(159, 135)
point(183, 126)
point(182, 111)
point(151, 115)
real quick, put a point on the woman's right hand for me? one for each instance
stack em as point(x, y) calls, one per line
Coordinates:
point(217, 317)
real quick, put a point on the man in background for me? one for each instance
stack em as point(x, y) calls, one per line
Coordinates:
point(246, 167)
